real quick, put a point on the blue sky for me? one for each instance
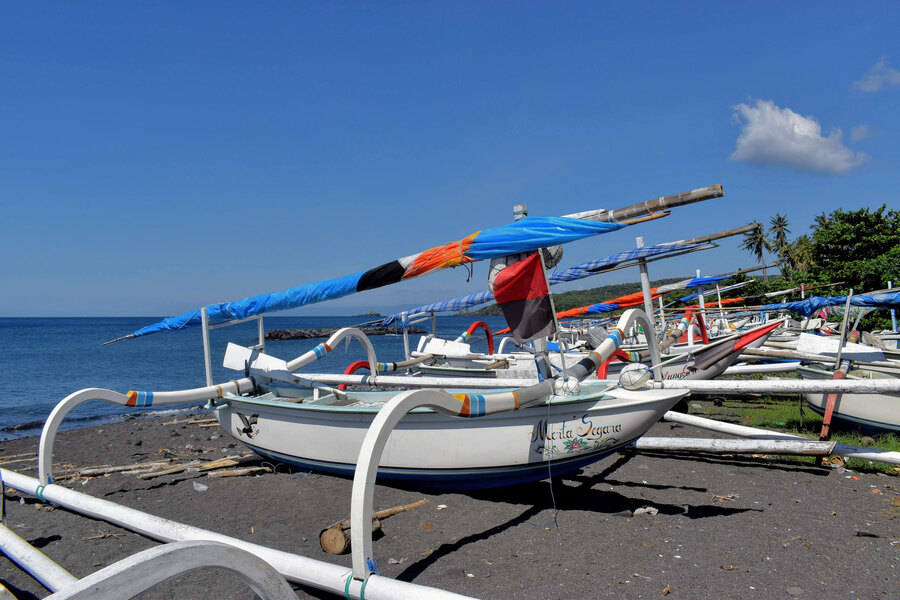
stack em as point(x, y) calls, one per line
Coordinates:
point(159, 156)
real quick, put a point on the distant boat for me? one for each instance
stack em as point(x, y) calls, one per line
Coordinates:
point(872, 412)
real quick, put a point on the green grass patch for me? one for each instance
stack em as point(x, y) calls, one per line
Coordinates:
point(789, 414)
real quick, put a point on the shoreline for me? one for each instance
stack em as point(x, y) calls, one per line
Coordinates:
point(726, 527)
point(34, 428)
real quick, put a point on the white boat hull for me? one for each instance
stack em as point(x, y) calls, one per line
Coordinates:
point(876, 412)
point(449, 452)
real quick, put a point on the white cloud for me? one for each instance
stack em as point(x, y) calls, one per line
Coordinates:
point(877, 77)
point(778, 136)
point(860, 133)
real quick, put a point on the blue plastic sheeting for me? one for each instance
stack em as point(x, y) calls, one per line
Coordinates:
point(257, 305)
point(532, 233)
point(571, 274)
point(523, 235)
point(814, 304)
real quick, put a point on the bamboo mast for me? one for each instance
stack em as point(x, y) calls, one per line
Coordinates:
point(651, 206)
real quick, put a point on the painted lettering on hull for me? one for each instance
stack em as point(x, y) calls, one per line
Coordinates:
point(573, 437)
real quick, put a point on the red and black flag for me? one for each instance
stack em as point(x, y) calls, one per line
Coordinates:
point(521, 291)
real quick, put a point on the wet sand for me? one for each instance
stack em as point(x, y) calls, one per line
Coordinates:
point(726, 527)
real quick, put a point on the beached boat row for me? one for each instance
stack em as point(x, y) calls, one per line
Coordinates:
point(444, 415)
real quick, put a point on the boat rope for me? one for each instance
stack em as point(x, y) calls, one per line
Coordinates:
point(362, 590)
point(552, 521)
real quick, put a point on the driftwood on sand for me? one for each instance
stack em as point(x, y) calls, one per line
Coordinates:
point(335, 539)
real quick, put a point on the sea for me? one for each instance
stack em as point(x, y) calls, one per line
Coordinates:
point(46, 359)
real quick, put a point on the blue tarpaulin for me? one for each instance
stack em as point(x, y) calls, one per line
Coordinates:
point(524, 235)
point(813, 304)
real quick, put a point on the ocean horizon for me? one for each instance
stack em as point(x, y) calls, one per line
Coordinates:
point(49, 358)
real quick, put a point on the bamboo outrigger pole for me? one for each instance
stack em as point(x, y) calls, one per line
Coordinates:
point(722, 234)
point(651, 206)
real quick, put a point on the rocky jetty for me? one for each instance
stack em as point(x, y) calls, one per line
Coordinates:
point(305, 334)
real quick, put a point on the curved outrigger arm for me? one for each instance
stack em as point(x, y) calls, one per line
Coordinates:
point(459, 405)
point(345, 333)
point(203, 394)
point(132, 399)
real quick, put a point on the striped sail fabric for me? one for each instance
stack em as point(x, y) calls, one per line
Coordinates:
point(716, 304)
point(690, 283)
point(524, 235)
point(593, 267)
point(720, 290)
point(626, 301)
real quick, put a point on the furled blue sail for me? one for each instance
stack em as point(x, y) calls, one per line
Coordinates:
point(524, 235)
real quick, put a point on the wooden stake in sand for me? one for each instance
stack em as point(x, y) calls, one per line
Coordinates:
point(336, 538)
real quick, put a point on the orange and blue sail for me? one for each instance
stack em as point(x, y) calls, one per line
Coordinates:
point(524, 235)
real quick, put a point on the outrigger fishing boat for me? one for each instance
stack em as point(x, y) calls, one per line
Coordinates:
point(871, 412)
point(569, 392)
point(830, 358)
point(559, 424)
point(519, 434)
point(510, 433)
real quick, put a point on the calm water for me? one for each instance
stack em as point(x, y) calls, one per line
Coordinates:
point(49, 358)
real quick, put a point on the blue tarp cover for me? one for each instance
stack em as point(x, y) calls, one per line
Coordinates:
point(524, 235)
point(814, 304)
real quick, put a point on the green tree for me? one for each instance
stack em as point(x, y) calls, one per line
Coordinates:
point(756, 243)
point(799, 254)
point(860, 247)
point(778, 230)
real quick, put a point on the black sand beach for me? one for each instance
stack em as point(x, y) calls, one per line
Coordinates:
point(726, 527)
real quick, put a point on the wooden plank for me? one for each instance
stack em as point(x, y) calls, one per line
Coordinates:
point(169, 471)
point(239, 472)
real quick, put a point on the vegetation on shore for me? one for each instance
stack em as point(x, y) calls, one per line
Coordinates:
point(857, 249)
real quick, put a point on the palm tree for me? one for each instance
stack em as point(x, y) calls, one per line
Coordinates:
point(779, 230)
point(756, 243)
